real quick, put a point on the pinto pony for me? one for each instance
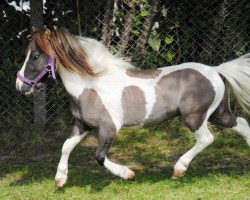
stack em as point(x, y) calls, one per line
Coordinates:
point(108, 94)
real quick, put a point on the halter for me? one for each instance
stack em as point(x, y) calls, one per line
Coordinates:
point(49, 69)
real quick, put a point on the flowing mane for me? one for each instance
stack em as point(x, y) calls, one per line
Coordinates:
point(78, 54)
point(66, 49)
point(100, 58)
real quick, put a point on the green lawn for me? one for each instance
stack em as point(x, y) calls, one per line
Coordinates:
point(28, 165)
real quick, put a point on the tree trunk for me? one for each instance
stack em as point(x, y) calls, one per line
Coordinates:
point(106, 29)
point(48, 19)
point(232, 39)
point(211, 42)
point(78, 18)
point(127, 27)
point(36, 22)
point(146, 29)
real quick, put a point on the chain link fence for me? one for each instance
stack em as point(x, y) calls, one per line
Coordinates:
point(149, 33)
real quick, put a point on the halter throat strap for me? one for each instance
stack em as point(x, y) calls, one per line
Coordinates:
point(49, 69)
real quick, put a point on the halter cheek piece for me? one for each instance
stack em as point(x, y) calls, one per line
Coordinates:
point(49, 69)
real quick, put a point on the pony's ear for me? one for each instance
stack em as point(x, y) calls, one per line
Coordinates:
point(47, 34)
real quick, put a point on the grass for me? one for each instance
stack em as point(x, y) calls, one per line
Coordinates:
point(28, 164)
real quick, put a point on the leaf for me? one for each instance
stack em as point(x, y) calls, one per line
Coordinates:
point(144, 13)
point(135, 32)
point(137, 20)
point(168, 39)
point(170, 56)
point(93, 29)
point(155, 43)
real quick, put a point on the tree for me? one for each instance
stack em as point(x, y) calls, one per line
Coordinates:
point(210, 42)
point(128, 23)
point(36, 22)
point(146, 28)
point(106, 28)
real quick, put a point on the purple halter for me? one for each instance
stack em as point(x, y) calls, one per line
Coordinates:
point(49, 69)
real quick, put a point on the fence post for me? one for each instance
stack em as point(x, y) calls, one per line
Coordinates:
point(36, 22)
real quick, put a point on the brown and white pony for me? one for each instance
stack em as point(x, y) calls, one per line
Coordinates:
point(108, 94)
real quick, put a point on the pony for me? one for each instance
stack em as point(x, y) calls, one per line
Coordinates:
point(108, 93)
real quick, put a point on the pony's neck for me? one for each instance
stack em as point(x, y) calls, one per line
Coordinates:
point(73, 82)
point(101, 60)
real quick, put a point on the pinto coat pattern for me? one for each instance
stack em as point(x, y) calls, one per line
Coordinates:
point(108, 94)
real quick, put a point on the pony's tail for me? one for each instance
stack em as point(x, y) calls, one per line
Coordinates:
point(237, 74)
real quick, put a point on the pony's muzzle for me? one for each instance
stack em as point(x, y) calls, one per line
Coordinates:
point(24, 88)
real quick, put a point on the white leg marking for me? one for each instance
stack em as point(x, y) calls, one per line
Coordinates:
point(19, 83)
point(204, 138)
point(118, 170)
point(243, 129)
point(68, 146)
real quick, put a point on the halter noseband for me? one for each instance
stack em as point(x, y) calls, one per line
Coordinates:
point(49, 69)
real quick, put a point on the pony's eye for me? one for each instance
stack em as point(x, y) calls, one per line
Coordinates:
point(34, 56)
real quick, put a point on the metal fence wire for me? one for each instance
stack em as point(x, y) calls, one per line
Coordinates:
point(149, 33)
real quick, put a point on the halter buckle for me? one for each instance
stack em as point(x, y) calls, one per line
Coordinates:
point(48, 68)
point(32, 83)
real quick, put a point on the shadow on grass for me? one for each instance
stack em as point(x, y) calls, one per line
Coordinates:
point(38, 162)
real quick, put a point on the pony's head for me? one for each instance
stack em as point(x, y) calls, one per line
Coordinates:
point(47, 50)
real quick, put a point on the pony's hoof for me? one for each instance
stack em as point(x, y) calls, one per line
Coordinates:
point(178, 173)
point(60, 182)
point(131, 175)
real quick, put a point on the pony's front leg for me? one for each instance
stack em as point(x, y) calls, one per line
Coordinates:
point(106, 138)
point(78, 133)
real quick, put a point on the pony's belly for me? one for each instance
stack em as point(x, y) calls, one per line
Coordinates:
point(160, 117)
point(154, 120)
point(133, 127)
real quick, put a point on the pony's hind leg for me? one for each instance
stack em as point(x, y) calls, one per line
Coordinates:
point(195, 115)
point(106, 138)
point(223, 118)
point(68, 146)
point(243, 129)
point(203, 139)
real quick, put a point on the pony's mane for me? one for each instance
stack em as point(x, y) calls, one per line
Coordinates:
point(66, 49)
point(100, 58)
point(78, 54)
